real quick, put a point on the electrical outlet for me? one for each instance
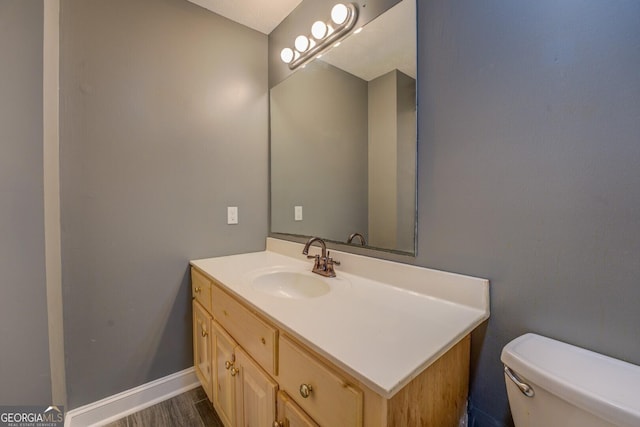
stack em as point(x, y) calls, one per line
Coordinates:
point(232, 214)
point(297, 213)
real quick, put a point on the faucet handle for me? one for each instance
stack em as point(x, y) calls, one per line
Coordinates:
point(316, 262)
point(333, 261)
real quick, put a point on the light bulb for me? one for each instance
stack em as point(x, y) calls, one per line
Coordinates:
point(286, 55)
point(319, 30)
point(339, 13)
point(301, 43)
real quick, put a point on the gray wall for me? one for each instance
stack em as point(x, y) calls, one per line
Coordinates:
point(163, 125)
point(383, 161)
point(319, 153)
point(392, 161)
point(24, 359)
point(529, 154)
point(407, 138)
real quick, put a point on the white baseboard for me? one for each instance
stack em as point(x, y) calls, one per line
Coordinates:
point(130, 401)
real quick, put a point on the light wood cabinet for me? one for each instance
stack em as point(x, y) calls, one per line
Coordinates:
point(259, 375)
point(242, 393)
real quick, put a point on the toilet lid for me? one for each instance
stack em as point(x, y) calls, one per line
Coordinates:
point(604, 386)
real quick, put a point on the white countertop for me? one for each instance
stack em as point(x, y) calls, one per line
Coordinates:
point(382, 322)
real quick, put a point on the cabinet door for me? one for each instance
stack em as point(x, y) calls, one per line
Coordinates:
point(224, 391)
point(255, 393)
point(202, 348)
point(291, 415)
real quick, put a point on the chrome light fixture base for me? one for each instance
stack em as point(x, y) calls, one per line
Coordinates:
point(339, 31)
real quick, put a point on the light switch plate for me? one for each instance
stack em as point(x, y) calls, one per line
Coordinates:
point(232, 214)
point(297, 213)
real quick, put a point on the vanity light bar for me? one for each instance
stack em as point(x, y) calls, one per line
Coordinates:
point(323, 35)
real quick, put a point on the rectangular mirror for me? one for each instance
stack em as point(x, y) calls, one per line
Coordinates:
point(343, 139)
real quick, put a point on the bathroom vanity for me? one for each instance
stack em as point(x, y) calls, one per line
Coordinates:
point(381, 344)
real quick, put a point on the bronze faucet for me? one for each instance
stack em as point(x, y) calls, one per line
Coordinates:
point(359, 236)
point(323, 264)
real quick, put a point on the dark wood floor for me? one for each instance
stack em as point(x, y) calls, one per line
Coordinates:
point(189, 409)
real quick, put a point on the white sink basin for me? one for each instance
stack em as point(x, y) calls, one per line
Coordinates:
point(291, 284)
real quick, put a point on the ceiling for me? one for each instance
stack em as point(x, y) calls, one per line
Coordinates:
point(260, 15)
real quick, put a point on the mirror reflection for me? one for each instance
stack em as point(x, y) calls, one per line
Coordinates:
point(343, 140)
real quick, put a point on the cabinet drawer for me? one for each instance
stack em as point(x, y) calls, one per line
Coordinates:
point(332, 401)
point(201, 289)
point(257, 337)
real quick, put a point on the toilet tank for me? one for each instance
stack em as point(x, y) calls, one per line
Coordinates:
point(572, 387)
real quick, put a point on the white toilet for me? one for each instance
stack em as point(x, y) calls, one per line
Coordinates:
point(553, 384)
